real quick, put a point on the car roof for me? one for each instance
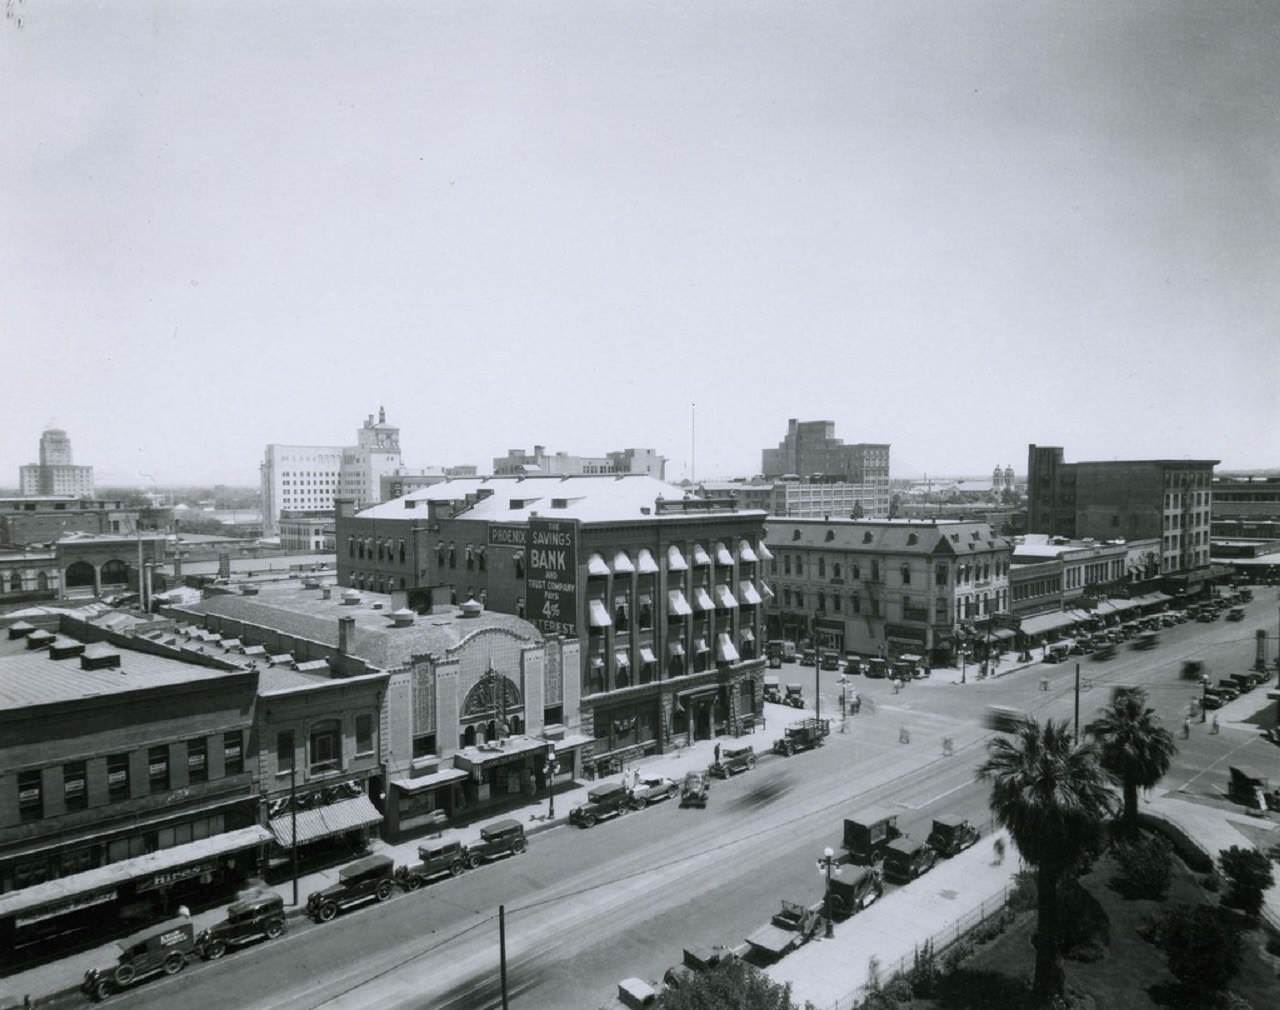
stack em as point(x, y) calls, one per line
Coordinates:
point(143, 935)
point(606, 789)
point(366, 865)
point(949, 820)
point(905, 845)
point(500, 828)
point(254, 901)
point(869, 815)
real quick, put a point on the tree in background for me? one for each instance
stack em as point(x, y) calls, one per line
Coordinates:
point(1052, 796)
point(1248, 874)
point(729, 986)
point(1135, 750)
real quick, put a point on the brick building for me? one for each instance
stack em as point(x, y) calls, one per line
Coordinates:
point(42, 520)
point(811, 449)
point(1246, 508)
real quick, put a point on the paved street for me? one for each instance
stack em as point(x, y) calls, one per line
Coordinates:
point(586, 908)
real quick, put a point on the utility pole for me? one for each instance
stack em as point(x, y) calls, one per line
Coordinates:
point(1077, 720)
point(693, 443)
point(293, 818)
point(817, 672)
point(502, 950)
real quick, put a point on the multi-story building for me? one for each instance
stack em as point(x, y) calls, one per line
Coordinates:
point(642, 461)
point(1246, 508)
point(1170, 500)
point(802, 498)
point(885, 587)
point(663, 591)
point(810, 448)
point(1003, 479)
point(304, 531)
point(25, 521)
point(56, 473)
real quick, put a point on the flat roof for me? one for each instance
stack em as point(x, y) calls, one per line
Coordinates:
point(265, 563)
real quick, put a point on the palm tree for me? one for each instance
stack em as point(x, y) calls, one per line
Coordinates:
point(1134, 748)
point(1053, 797)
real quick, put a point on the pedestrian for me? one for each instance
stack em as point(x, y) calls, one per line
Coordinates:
point(1186, 729)
point(717, 753)
point(1215, 722)
point(999, 849)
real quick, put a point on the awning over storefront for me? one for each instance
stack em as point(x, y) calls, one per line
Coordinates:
point(745, 553)
point(596, 565)
point(725, 650)
point(622, 564)
point(1041, 623)
point(675, 560)
point(324, 822)
point(1002, 634)
point(702, 599)
point(725, 598)
point(693, 693)
point(677, 605)
point(432, 781)
point(646, 655)
point(95, 886)
point(700, 555)
point(599, 617)
point(512, 749)
point(645, 564)
point(1151, 599)
point(747, 590)
point(723, 557)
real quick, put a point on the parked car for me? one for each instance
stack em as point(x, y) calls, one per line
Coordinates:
point(696, 960)
point(733, 760)
point(853, 664)
point(1169, 620)
point(501, 838)
point(370, 877)
point(436, 861)
point(830, 659)
point(951, 835)
point(1227, 688)
point(695, 789)
point(803, 735)
point(1082, 647)
point(254, 917)
point(905, 859)
point(867, 833)
point(1104, 653)
point(789, 928)
point(653, 789)
point(795, 696)
point(877, 668)
point(1212, 700)
point(161, 948)
point(855, 889)
point(1246, 595)
point(1245, 681)
point(1250, 787)
point(1207, 615)
point(772, 687)
point(1235, 614)
point(1057, 653)
point(1147, 640)
point(808, 657)
point(611, 799)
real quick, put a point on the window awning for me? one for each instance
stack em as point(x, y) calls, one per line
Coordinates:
point(745, 553)
point(677, 605)
point(725, 598)
point(675, 560)
point(645, 564)
point(700, 645)
point(597, 662)
point(748, 635)
point(646, 655)
point(324, 822)
point(700, 555)
point(1041, 623)
point(596, 565)
point(645, 600)
point(702, 599)
point(765, 553)
point(1003, 634)
point(622, 564)
point(747, 590)
point(676, 648)
point(622, 658)
point(764, 588)
point(725, 651)
point(723, 557)
point(599, 616)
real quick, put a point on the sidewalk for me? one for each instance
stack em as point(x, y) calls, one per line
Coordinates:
point(67, 973)
point(1008, 663)
point(952, 896)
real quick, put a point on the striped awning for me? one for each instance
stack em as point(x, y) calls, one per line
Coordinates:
point(326, 821)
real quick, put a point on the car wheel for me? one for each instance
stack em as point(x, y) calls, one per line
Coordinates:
point(456, 867)
point(588, 820)
point(519, 845)
point(411, 881)
point(103, 990)
point(174, 963)
point(213, 950)
point(124, 974)
point(275, 929)
point(383, 891)
point(474, 860)
point(327, 912)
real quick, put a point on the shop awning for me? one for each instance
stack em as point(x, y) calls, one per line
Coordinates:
point(622, 658)
point(596, 565)
point(677, 605)
point(513, 748)
point(726, 652)
point(745, 553)
point(747, 590)
point(622, 564)
point(702, 599)
point(700, 555)
point(645, 564)
point(1041, 623)
point(725, 598)
point(324, 822)
point(764, 552)
point(675, 560)
point(598, 615)
point(1003, 634)
point(646, 655)
point(54, 897)
point(432, 781)
point(704, 691)
point(723, 557)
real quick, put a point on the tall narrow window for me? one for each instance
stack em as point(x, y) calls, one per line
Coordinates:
point(158, 769)
point(233, 753)
point(118, 777)
point(284, 751)
point(75, 785)
point(364, 734)
point(30, 795)
point(198, 760)
point(326, 746)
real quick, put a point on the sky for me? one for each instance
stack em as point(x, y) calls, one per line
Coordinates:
point(958, 227)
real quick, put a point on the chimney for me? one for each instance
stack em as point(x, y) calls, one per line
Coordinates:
point(345, 627)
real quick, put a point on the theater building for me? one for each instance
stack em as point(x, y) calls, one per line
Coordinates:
point(663, 593)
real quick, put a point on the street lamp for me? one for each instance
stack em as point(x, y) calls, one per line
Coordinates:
point(827, 865)
point(551, 768)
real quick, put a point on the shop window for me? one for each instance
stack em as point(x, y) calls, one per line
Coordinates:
point(364, 734)
point(158, 769)
point(30, 872)
point(198, 760)
point(79, 860)
point(424, 745)
point(75, 785)
point(30, 796)
point(233, 753)
point(118, 777)
point(284, 751)
point(326, 746)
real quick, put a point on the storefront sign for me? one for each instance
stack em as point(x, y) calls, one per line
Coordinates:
point(63, 907)
point(905, 633)
point(551, 576)
point(170, 877)
point(507, 536)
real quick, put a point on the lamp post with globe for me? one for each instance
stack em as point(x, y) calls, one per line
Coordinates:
point(828, 864)
point(551, 768)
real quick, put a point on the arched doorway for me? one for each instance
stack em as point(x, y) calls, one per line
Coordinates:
point(469, 737)
point(42, 582)
point(79, 574)
point(115, 573)
point(15, 582)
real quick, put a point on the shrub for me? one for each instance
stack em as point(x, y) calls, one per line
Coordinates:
point(956, 955)
point(923, 975)
point(1146, 867)
point(1203, 951)
point(1084, 920)
point(1088, 953)
point(1211, 882)
point(1023, 896)
point(1248, 874)
point(734, 984)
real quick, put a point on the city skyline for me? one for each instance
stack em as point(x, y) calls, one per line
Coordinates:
point(956, 235)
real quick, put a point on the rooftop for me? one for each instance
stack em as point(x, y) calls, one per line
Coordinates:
point(908, 536)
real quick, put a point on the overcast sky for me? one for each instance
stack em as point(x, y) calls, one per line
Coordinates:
point(958, 227)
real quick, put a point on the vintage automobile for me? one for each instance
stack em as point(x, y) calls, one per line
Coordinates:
point(161, 948)
point(436, 861)
point(1192, 669)
point(637, 994)
point(905, 859)
point(853, 665)
point(653, 789)
point(1169, 620)
point(830, 659)
point(501, 838)
point(1003, 719)
point(1207, 615)
point(1147, 640)
point(802, 735)
point(694, 789)
point(772, 688)
point(1083, 646)
point(1212, 700)
point(808, 657)
point(789, 928)
point(1104, 653)
point(1250, 787)
point(1227, 688)
point(1245, 681)
point(877, 668)
point(369, 877)
point(696, 959)
point(854, 890)
point(951, 834)
point(795, 696)
point(868, 832)
point(1057, 653)
point(1246, 595)
point(605, 801)
point(1235, 614)
point(252, 918)
point(733, 760)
